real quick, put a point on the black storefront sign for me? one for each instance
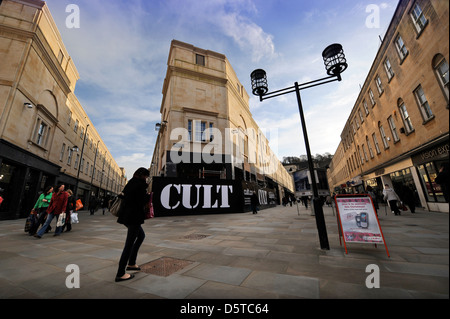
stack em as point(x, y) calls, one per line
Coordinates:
point(437, 152)
point(178, 196)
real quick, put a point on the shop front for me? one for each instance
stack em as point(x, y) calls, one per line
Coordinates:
point(431, 163)
point(23, 176)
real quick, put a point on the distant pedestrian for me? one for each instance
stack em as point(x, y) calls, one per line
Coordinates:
point(391, 197)
point(305, 201)
point(41, 208)
point(104, 204)
point(328, 200)
point(58, 205)
point(443, 180)
point(374, 198)
point(254, 202)
point(71, 204)
point(92, 205)
point(132, 215)
point(408, 197)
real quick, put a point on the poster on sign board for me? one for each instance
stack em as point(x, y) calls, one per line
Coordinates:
point(358, 221)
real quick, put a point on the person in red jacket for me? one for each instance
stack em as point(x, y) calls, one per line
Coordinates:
point(58, 205)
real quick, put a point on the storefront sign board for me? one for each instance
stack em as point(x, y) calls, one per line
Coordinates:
point(358, 221)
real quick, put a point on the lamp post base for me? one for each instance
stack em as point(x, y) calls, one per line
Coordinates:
point(320, 222)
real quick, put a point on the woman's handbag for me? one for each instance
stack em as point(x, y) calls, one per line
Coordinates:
point(116, 205)
point(149, 211)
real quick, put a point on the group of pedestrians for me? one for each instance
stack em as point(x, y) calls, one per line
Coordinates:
point(53, 203)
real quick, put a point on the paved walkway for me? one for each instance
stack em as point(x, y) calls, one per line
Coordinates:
point(272, 255)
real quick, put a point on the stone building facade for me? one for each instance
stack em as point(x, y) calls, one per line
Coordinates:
point(46, 137)
point(207, 131)
point(398, 130)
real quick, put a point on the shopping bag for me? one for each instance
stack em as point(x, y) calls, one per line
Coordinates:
point(78, 204)
point(31, 221)
point(74, 218)
point(61, 220)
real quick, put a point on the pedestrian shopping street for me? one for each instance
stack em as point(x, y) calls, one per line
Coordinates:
point(274, 254)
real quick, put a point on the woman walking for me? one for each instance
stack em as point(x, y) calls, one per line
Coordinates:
point(69, 210)
point(132, 215)
point(391, 197)
point(58, 205)
point(41, 208)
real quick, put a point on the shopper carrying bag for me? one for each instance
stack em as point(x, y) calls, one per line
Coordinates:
point(132, 215)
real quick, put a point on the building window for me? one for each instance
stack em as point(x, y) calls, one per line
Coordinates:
point(425, 109)
point(361, 117)
point(440, 66)
point(82, 165)
point(401, 48)
point(428, 173)
point(41, 134)
point(77, 159)
point(418, 18)
point(211, 135)
point(393, 129)
point(375, 141)
point(189, 130)
point(361, 155)
point(369, 147)
point(200, 59)
point(197, 129)
point(61, 155)
point(366, 108)
point(75, 128)
point(69, 120)
point(365, 153)
point(69, 157)
point(388, 68)
point(379, 84)
point(372, 98)
point(405, 117)
point(383, 136)
point(200, 131)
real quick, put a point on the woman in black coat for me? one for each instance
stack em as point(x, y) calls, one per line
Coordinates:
point(132, 215)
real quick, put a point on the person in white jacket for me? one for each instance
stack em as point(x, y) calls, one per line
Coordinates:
point(391, 197)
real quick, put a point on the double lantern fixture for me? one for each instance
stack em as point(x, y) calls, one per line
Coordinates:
point(335, 64)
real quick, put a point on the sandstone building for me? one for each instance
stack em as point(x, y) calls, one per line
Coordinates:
point(398, 130)
point(207, 131)
point(45, 135)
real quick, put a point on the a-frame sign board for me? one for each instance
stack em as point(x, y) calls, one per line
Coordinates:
point(358, 221)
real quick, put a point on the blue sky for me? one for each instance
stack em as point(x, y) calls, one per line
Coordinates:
point(121, 50)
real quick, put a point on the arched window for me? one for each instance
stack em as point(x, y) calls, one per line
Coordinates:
point(440, 67)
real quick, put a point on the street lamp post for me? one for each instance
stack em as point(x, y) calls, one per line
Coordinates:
point(335, 64)
point(79, 163)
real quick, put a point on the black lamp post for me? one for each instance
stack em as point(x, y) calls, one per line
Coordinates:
point(335, 64)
